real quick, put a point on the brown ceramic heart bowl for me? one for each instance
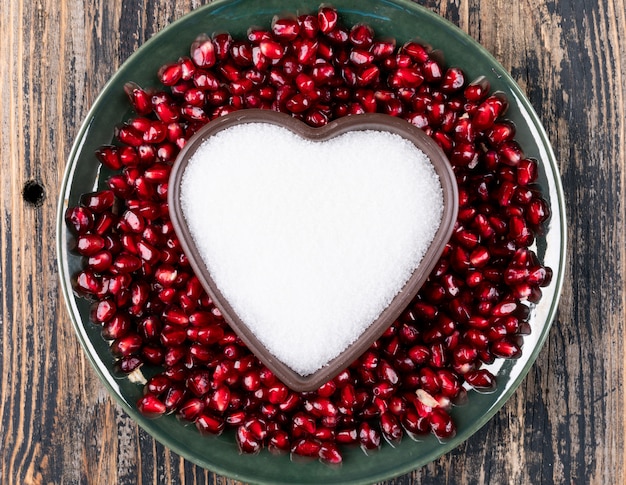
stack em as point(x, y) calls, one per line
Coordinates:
point(371, 122)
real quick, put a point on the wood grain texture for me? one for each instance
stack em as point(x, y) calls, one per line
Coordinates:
point(565, 424)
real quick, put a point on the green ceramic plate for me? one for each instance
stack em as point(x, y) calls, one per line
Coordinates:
point(398, 18)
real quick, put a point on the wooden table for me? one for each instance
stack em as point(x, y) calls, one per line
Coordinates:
point(565, 424)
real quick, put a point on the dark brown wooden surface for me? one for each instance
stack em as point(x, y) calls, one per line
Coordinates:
point(565, 424)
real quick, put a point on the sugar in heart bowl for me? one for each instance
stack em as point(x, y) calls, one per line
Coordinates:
point(276, 217)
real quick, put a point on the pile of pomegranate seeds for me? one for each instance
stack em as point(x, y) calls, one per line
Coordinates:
point(472, 310)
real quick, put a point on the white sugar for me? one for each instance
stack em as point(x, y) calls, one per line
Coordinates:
point(310, 241)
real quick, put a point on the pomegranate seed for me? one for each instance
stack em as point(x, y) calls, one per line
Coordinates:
point(170, 74)
point(271, 49)
point(369, 437)
point(441, 424)
point(98, 201)
point(327, 19)
point(116, 327)
point(150, 406)
point(139, 99)
point(286, 29)
point(506, 349)
point(307, 447)
point(329, 453)
point(482, 380)
point(247, 442)
point(390, 428)
point(202, 52)
point(127, 345)
point(209, 424)
point(89, 244)
point(191, 409)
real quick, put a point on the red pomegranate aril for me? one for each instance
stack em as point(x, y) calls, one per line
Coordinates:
point(153, 354)
point(383, 48)
point(190, 409)
point(170, 74)
point(506, 349)
point(406, 77)
point(501, 132)
point(98, 201)
point(369, 437)
point(537, 212)
point(157, 385)
point(79, 219)
point(526, 171)
point(220, 399)
point(510, 153)
point(416, 51)
point(441, 424)
point(173, 335)
point(477, 90)
point(175, 316)
point(202, 51)
point(188, 68)
point(361, 35)
point(221, 45)
point(105, 223)
point(116, 327)
point(390, 428)
point(247, 442)
point(174, 355)
point(432, 71)
point(174, 397)
point(256, 35)
point(102, 310)
point(271, 49)
point(338, 36)
point(450, 383)
point(414, 424)
point(150, 406)
point(89, 244)
point(127, 345)
point(329, 453)
point(387, 373)
point(278, 394)
point(360, 57)
point(307, 447)
point(241, 54)
point(199, 382)
point(302, 424)
point(209, 424)
point(126, 263)
point(327, 19)
point(368, 75)
point(108, 155)
point(139, 99)
point(167, 112)
point(464, 354)
point(347, 436)
point(482, 380)
point(429, 380)
point(128, 364)
point(286, 29)
point(453, 80)
point(129, 135)
point(298, 103)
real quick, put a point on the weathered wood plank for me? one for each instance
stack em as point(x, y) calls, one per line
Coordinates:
point(566, 422)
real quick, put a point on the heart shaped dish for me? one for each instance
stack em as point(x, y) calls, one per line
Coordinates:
point(311, 241)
